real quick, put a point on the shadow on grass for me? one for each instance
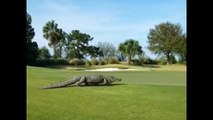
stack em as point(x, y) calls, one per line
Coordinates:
point(116, 84)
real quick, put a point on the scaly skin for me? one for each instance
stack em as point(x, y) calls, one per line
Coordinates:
point(85, 80)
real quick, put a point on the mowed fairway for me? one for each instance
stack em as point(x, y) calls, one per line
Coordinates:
point(141, 95)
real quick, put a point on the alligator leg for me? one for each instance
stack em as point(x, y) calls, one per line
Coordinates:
point(105, 82)
point(82, 80)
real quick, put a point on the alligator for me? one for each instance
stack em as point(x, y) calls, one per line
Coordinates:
point(87, 80)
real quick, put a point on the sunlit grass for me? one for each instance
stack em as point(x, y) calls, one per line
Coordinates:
point(142, 95)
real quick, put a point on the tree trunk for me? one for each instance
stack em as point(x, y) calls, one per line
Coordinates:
point(60, 51)
point(129, 59)
point(168, 59)
point(54, 50)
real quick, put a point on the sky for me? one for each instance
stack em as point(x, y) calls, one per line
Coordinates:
point(112, 21)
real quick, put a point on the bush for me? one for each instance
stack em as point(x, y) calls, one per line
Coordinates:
point(48, 62)
point(102, 62)
point(94, 61)
point(62, 62)
point(88, 63)
point(182, 62)
point(137, 62)
point(173, 60)
point(45, 62)
point(150, 61)
point(162, 62)
point(106, 60)
point(76, 61)
point(113, 61)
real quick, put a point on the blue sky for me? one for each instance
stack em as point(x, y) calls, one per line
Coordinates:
point(111, 21)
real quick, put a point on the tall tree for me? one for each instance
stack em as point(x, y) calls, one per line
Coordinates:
point(164, 39)
point(62, 42)
point(78, 45)
point(32, 47)
point(130, 48)
point(107, 49)
point(29, 29)
point(50, 32)
point(181, 49)
point(44, 53)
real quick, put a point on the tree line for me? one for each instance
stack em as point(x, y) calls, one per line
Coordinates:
point(165, 40)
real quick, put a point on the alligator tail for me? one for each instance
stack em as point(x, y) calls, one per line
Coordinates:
point(61, 84)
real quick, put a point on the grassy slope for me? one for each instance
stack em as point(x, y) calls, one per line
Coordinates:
point(141, 95)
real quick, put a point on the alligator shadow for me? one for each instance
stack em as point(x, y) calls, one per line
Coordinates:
point(115, 84)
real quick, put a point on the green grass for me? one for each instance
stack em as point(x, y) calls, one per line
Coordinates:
point(142, 95)
point(174, 67)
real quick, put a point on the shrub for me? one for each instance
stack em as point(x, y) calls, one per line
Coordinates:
point(113, 61)
point(45, 62)
point(76, 61)
point(137, 62)
point(62, 62)
point(173, 60)
point(106, 60)
point(181, 62)
point(150, 61)
point(94, 61)
point(88, 63)
point(102, 62)
point(162, 62)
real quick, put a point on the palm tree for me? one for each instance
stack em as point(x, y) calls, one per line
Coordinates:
point(130, 48)
point(50, 31)
point(62, 42)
